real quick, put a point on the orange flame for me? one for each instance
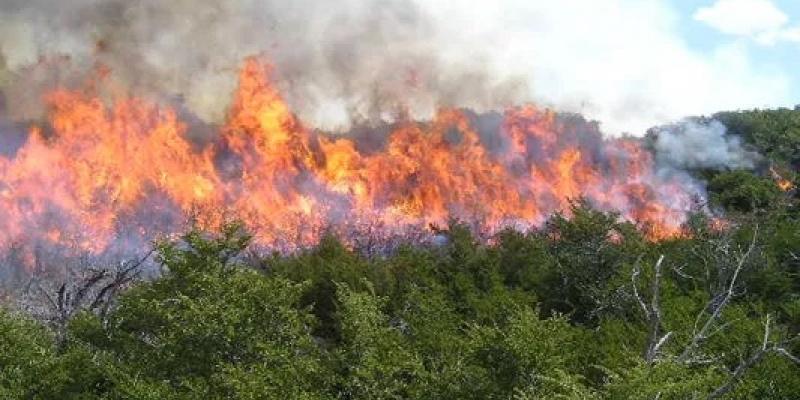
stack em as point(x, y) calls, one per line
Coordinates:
point(783, 183)
point(113, 176)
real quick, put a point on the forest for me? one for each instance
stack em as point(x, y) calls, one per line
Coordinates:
point(585, 307)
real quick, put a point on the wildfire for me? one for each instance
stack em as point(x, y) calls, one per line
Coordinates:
point(97, 176)
point(783, 183)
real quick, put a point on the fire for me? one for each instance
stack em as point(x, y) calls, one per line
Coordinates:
point(783, 183)
point(98, 177)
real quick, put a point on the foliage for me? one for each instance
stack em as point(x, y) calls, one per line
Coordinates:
point(742, 191)
point(566, 311)
point(774, 133)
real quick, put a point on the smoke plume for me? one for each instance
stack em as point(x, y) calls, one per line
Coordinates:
point(122, 121)
point(701, 145)
point(362, 59)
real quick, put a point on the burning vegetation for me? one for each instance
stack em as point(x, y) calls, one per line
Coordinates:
point(182, 223)
point(100, 177)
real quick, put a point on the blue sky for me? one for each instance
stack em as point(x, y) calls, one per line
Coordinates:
point(629, 64)
point(782, 56)
point(632, 64)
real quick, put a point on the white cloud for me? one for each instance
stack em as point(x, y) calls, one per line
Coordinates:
point(760, 20)
point(619, 61)
point(743, 17)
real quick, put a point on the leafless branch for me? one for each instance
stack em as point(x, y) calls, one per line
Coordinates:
point(634, 278)
point(766, 348)
point(716, 305)
point(791, 357)
point(653, 311)
point(84, 289)
point(681, 273)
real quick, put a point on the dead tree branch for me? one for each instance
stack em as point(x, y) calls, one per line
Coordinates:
point(652, 311)
point(766, 348)
point(717, 304)
point(87, 289)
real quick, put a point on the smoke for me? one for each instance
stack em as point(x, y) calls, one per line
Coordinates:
point(622, 62)
point(364, 59)
point(626, 63)
point(697, 145)
point(350, 67)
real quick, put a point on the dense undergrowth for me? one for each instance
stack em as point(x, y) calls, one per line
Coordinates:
point(585, 307)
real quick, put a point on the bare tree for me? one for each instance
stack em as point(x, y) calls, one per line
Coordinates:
point(86, 288)
point(652, 311)
point(713, 309)
point(707, 320)
point(767, 347)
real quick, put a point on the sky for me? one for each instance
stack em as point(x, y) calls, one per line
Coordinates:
point(629, 64)
point(635, 63)
point(710, 23)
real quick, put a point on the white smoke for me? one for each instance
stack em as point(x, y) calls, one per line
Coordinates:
point(621, 62)
point(625, 63)
point(332, 61)
point(695, 145)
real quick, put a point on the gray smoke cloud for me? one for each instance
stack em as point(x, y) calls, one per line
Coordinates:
point(701, 145)
point(333, 61)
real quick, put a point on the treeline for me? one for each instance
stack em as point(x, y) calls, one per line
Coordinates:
point(585, 307)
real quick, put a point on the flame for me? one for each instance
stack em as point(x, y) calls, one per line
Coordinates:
point(97, 177)
point(783, 183)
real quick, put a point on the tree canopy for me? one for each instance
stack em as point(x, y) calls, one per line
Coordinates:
point(585, 307)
